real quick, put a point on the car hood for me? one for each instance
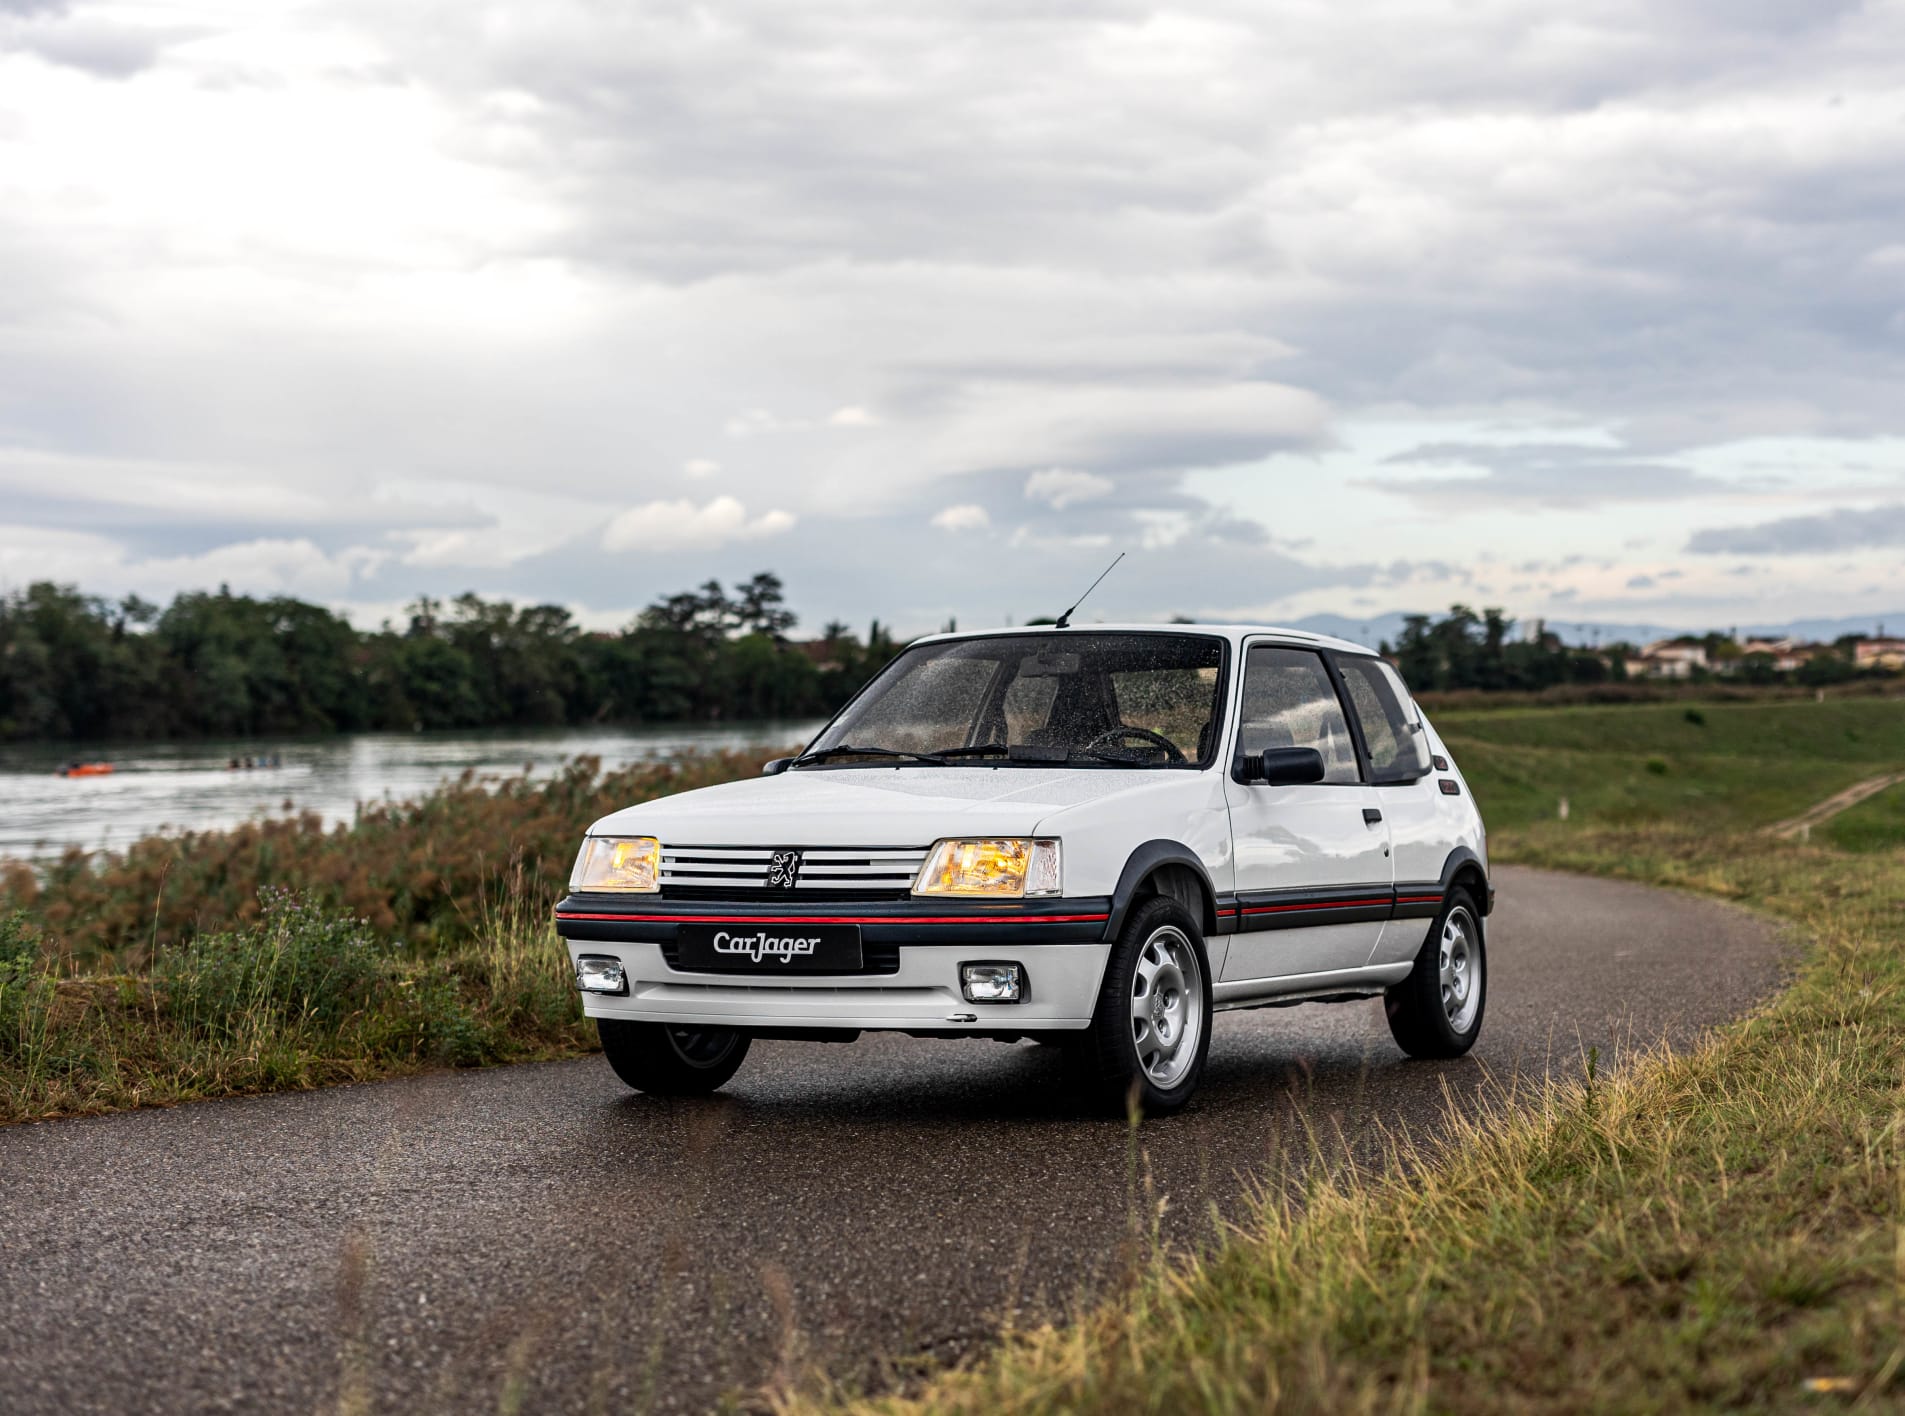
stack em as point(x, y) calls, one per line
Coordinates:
point(877, 806)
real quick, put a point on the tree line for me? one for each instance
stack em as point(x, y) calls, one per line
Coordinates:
point(78, 666)
point(1466, 650)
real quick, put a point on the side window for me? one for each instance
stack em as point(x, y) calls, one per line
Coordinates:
point(1398, 748)
point(1289, 701)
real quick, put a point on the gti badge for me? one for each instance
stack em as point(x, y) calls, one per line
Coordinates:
point(783, 870)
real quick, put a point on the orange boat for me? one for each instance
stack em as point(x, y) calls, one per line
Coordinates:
point(86, 769)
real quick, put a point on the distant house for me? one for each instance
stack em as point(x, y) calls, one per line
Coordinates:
point(1668, 659)
point(1784, 654)
point(1884, 652)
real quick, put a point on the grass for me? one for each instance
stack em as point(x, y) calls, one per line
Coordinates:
point(1875, 824)
point(281, 955)
point(1834, 730)
point(1718, 766)
point(1715, 1228)
point(305, 996)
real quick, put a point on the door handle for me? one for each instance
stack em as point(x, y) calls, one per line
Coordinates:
point(1371, 816)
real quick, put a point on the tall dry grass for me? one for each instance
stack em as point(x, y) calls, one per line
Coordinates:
point(1715, 1229)
point(427, 871)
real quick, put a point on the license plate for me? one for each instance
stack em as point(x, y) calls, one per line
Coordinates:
point(769, 948)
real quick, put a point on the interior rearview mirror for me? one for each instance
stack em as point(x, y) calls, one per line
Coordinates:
point(1282, 766)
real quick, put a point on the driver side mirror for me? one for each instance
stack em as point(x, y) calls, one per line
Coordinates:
point(1282, 767)
point(776, 766)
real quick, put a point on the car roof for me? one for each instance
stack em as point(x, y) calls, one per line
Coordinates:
point(1236, 633)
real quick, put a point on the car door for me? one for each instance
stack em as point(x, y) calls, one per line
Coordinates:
point(1314, 879)
point(1421, 819)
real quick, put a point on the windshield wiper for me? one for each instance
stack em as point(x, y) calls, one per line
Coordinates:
point(1044, 756)
point(1015, 752)
point(849, 750)
point(1114, 758)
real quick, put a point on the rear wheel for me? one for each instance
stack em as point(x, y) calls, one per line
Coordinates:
point(1437, 1010)
point(663, 1059)
point(1150, 1033)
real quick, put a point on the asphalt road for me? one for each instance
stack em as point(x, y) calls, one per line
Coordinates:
point(458, 1241)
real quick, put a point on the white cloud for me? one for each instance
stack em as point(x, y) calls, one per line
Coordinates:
point(968, 516)
point(267, 566)
point(1061, 488)
point(494, 276)
point(683, 526)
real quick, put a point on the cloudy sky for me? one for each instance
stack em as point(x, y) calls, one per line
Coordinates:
point(1592, 311)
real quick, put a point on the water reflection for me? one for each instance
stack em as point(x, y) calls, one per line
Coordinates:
point(192, 786)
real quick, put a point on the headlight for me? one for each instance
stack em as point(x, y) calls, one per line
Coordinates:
point(998, 868)
point(631, 864)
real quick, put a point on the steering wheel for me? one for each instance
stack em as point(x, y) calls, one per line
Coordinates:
point(1171, 752)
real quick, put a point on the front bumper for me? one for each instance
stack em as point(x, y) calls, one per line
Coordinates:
point(1060, 944)
point(923, 996)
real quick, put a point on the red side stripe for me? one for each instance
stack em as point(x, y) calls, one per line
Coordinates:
point(1321, 905)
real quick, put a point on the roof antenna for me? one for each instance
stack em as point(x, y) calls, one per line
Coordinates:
point(1065, 619)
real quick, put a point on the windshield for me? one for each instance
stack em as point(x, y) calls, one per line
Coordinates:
point(1124, 700)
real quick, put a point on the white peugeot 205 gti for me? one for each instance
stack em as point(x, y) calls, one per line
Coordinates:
point(1091, 837)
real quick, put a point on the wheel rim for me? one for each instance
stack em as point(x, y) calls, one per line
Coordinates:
point(702, 1047)
point(1167, 1006)
point(1460, 965)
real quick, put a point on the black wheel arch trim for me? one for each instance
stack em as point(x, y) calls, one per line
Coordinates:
point(1146, 860)
point(1461, 860)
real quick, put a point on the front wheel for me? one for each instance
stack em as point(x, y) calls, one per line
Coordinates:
point(663, 1059)
point(1437, 1010)
point(1150, 1033)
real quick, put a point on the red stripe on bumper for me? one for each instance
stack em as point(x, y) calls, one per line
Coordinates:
point(842, 919)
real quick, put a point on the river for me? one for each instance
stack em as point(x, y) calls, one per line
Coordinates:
point(193, 786)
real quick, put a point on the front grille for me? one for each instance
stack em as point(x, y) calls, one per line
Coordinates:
point(875, 959)
point(829, 872)
point(760, 895)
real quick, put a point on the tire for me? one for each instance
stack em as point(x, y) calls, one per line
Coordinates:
point(1437, 1010)
point(667, 1060)
point(1150, 1031)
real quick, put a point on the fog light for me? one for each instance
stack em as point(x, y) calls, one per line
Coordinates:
point(594, 974)
point(992, 983)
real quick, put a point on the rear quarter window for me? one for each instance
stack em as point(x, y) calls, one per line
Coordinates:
point(1398, 747)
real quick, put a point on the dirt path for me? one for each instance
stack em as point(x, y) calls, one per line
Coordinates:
point(1802, 824)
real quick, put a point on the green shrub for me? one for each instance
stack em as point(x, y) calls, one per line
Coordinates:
point(25, 988)
point(1696, 717)
point(300, 968)
point(1657, 766)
